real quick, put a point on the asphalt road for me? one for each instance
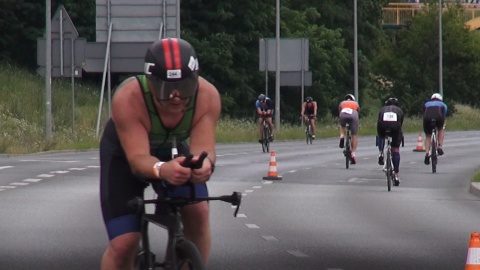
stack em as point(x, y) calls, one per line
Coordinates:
point(319, 216)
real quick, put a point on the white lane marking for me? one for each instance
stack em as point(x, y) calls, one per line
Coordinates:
point(93, 166)
point(249, 191)
point(77, 169)
point(54, 161)
point(5, 167)
point(267, 182)
point(269, 238)
point(7, 187)
point(244, 194)
point(241, 215)
point(32, 180)
point(252, 226)
point(298, 253)
point(59, 172)
point(292, 171)
point(45, 175)
point(19, 184)
point(257, 186)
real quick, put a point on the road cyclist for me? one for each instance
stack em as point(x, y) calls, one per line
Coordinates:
point(389, 123)
point(167, 107)
point(348, 112)
point(309, 114)
point(265, 107)
point(435, 109)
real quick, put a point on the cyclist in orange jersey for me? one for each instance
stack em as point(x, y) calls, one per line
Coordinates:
point(348, 112)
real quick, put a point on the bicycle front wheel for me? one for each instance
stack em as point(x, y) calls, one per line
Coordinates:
point(187, 254)
point(389, 172)
point(433, 156)
point(348, 152)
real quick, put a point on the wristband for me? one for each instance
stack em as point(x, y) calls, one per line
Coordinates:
point(156, 168)
point(212, 165)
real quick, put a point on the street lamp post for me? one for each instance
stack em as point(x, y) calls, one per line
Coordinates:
point(355, 50)
point(440, 49)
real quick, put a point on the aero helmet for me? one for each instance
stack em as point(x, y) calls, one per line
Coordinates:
point(437, 96)
point(392, 101)
point(350, 97)
point(261, 97)
point(309, 99)
point(171, 64)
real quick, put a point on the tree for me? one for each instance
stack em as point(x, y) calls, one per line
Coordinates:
point(407, 67)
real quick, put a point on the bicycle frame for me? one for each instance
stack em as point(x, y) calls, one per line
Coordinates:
point(388, 167)
point(434, 146)
point(308, 130)
point(265, 135)
point(348, 145)
point(170, 219)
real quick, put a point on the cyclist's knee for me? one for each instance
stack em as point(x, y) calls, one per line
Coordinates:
point(124, 247)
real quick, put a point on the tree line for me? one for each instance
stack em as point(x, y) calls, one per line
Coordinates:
point(403, 63)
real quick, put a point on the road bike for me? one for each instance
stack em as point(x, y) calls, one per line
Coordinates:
point(434, 145)
point(180, 252)
point(266, 136)
point(309, 130)
point(388, 166)
point(348, 145)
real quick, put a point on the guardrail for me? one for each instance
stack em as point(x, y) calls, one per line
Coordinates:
point(402, 13)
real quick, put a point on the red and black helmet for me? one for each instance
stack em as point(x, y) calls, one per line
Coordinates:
point(172, 64)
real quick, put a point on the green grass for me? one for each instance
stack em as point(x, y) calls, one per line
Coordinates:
point(22, 117)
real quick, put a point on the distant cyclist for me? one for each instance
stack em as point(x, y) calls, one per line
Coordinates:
point(265, 108)
point(348, 111)
point(309, 110)
point(434, 109)
point(390, 118)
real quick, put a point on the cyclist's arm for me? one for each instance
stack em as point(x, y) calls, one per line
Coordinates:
point(202, 136)
point(314, 108)
point(303, 109)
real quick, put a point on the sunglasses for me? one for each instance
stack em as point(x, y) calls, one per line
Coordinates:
point(163, 90)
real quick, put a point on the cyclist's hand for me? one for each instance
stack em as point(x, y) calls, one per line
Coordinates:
point(174, 172)
point(203, 173)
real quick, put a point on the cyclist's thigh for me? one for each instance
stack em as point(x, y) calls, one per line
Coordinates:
point(343, 118)
point(426, 125)
point(397, 136)
point(354, 123)
point(117, 186)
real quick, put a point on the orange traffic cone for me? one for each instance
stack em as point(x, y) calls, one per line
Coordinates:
point(419, 147)
point(272, 171)
point(473, 257)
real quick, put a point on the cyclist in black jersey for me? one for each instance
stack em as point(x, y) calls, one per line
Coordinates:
point(152, 115)
point(390, 118)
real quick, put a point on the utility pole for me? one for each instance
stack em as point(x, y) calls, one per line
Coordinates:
point(48, 71)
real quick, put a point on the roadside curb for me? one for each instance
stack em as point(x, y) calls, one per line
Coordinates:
point(475, 189)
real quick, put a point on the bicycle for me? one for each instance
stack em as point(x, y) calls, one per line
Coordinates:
point(180, 252)
point(348, 145)
point(388, 166)
point(433, 145)
point(266, 136)
point(309, 130)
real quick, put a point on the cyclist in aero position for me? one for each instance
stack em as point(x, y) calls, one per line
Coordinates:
point(152, 113)
point(390, 118)
point(309, 107)
point(434, 109)
point(265, 106)
point(348, 111)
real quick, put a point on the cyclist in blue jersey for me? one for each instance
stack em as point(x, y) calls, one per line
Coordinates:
point(434, 109)
point(265, 107)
